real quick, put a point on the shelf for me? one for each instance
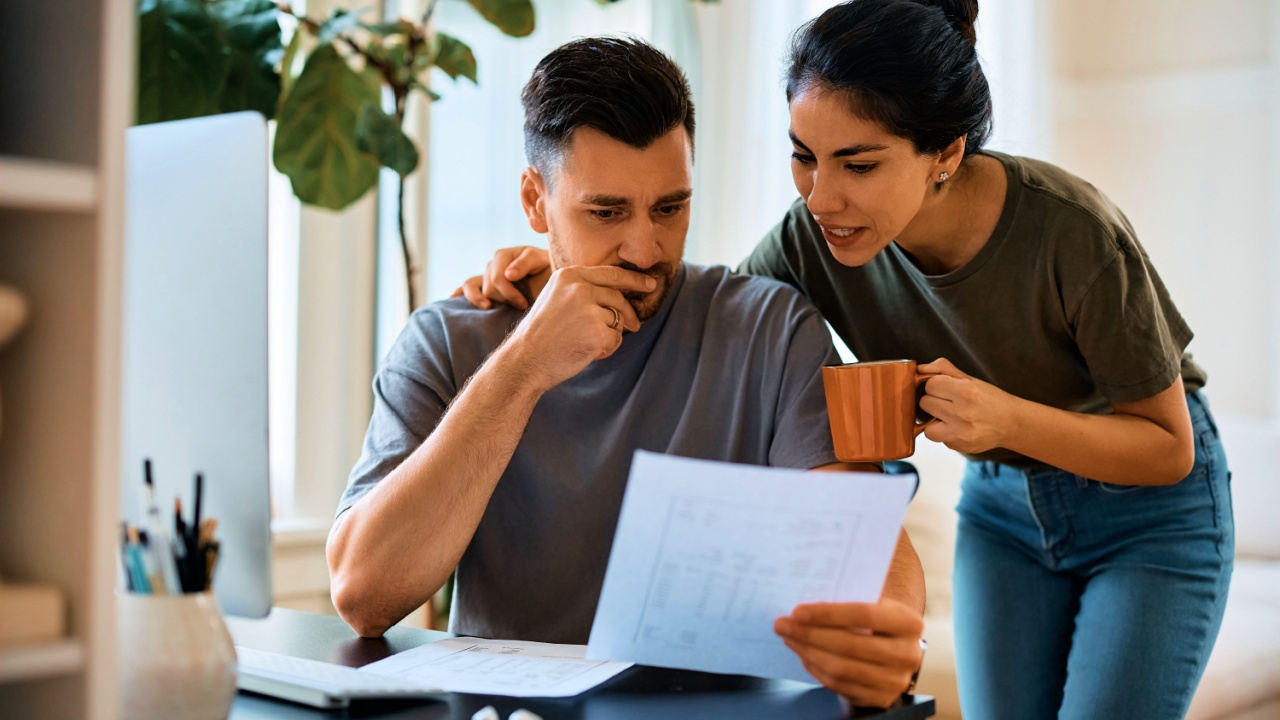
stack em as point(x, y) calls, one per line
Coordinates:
point(47, 185)
point(42, 661)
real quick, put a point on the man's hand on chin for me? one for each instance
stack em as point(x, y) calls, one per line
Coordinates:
point(866, 652)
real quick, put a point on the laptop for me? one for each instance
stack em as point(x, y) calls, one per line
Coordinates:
point(319, 684)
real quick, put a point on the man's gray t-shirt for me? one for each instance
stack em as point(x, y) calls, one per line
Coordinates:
point(728, 369)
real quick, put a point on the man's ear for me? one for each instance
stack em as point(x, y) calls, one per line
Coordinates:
point(533, 195)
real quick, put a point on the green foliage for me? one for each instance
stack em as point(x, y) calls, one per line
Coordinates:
point(181, 65)
point(513, 17)
point(378, 134)
point(454, 57)
point(316, 142)
point(252, 32)
point(201, 57)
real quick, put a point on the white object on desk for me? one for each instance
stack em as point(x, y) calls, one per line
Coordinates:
point(499, 667)
point(707, 555)
point(177, 661)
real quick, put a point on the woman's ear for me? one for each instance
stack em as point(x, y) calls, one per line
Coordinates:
point(950, 157)
point(533, 195)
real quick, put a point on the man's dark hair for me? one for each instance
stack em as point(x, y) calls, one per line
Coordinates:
point(623, 87)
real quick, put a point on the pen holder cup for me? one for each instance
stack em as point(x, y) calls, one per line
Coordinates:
point(177, 660)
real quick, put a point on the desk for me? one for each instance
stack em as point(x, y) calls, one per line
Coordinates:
point(639, 693)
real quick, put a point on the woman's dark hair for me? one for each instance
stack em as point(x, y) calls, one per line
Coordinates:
point(623, 87)
point(909, 65)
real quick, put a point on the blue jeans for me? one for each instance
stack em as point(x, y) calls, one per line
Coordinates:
point(1078, 599)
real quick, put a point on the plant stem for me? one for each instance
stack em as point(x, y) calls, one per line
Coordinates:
point(404, 246)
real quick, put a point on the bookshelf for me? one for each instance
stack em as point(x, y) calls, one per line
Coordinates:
point(66, 74)
point(44, 185)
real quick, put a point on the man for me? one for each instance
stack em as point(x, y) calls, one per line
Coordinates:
point(501, 441)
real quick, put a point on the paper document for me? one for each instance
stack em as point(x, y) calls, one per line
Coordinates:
point(707, 555)
point(499, 667)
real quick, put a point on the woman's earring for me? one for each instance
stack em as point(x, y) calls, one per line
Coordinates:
point(942, 176)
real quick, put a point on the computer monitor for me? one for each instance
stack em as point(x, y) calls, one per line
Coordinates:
point(194, 387)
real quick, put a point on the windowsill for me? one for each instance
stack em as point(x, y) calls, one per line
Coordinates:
point(300, 532)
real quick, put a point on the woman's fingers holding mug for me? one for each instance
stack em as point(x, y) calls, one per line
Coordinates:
point(941, 366)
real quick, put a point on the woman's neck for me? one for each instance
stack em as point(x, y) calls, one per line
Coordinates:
point(955, 223)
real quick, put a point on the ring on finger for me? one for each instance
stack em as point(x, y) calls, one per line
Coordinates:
point(617, 318)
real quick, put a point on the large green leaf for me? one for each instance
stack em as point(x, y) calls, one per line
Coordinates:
point(378, 135)
point(181, 62)
point(455, 58)
point(252, 33)
point(316, 132)
point(513, 17)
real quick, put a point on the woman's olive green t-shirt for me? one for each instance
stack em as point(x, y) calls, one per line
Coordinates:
point(1061, 306)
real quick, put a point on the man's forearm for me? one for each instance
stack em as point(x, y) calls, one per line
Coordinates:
point(905, 581)
point(396, 546)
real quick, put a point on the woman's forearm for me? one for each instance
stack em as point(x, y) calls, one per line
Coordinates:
point(1122, 448)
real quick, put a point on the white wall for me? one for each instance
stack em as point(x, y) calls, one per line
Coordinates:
point(1169, 107)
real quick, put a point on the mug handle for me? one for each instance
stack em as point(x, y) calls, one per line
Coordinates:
point(921, 427)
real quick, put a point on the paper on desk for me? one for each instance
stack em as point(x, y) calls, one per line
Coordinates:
point(707, 555)
point(499, 667)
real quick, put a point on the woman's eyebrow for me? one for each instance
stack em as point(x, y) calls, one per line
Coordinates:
point(797, 142)
point(858, 150)
point(842, 152)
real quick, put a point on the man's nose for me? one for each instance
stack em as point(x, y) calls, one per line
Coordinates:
point(641, 247)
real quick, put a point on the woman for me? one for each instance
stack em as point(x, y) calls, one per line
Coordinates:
point(1095, 542)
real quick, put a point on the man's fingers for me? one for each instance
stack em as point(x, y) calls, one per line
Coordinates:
point(529, 261)
point(857, 691)
point(895, 652)
point(885, 617)
point(615, 277)
point(614, 299)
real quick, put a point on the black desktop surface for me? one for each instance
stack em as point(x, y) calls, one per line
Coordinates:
point(638, 693)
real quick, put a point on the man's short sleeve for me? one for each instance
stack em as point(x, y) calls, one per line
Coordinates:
point(410, 393)
point(802, 437)
point(1127, 328)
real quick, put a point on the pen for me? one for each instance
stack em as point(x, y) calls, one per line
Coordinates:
point(180, 545)
point(161, 554)
point(137, 564)
point(124, 557)
point(197, 563)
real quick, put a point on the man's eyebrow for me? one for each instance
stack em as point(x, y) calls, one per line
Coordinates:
point(842, 152)
point(606, 200)
point(678, 196)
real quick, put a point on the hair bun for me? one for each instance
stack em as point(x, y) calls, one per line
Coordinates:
point(962, 14)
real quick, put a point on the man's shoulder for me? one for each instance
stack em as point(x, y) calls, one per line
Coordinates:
point(454, 325)
point(731, 295)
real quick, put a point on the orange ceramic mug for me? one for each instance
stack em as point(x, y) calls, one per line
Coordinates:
point(872, 409)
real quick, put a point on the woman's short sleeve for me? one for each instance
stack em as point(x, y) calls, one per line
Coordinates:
point(1130, 333)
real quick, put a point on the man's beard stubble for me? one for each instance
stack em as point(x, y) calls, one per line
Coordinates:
point(647, 304)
